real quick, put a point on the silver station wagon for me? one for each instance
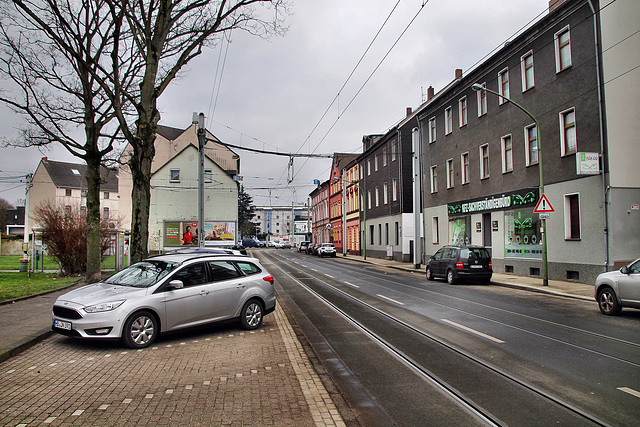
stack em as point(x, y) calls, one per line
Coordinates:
point(166, 293)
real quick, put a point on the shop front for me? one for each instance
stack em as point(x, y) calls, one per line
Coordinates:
point(504, 223)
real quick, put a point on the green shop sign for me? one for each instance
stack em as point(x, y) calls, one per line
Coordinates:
point(497, 202)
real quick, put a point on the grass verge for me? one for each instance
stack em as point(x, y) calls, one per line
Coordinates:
point(20, 285)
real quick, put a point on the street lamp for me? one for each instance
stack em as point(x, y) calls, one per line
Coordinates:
point(545, 270)
point(363, 239)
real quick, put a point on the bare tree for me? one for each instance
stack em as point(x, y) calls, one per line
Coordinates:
point(54, 53)
point(168, 34)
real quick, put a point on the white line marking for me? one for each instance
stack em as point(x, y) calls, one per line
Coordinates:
point(392, 300)
point(77, 413)
point(351, 284)
point(473, 331)
point(328, 275)
point(631, 391)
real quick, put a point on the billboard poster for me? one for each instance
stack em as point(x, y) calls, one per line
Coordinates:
point(301, 227)
point(185, 233)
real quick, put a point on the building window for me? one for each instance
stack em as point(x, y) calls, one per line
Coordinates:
point(369, 199)
point(572, 217)
point(386, 233)
point(67, 210)
point(377, 196)
point(208, 175)
point(105, 213)
point(384, 156)
point(484, 161)
point(368, 167)
point(380, 234)
point(482, 100)
point(507, 154)
point(464, 167)
point(106, 195)
point(371, 234)
point(435, 233)
point(83, 211)
point(397, 233)
point(448, 121)
point(568, 132)
point(174, 175)
point(562, 40)
point(434, 179)
point(393, 151)
point(432, 130)
point(462, 111)
point(531, 145)
point(385, 193)
point(503, 85)
point(67, 192)
point(450, 173)
point(375, 163)
point(526, 65)
point(394, 189)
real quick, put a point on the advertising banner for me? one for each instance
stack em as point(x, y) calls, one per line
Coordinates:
point(181, 233)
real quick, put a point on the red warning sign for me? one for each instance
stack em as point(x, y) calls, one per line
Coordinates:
point(543, 206)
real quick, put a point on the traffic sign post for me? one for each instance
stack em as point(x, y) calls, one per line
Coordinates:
point(543, 206)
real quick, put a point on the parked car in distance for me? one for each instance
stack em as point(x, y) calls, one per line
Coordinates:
point(302, 247)
point(617, 289)
point(326, 249)
point(166, 293)
point(460, 263)
point(311, 248)
point(251, 243)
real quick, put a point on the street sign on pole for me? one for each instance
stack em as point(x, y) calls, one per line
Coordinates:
point(543, 205)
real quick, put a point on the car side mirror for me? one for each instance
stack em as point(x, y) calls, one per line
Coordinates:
point(175, 284)
point(432, 257)
point(624, 270)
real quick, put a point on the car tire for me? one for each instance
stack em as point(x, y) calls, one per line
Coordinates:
point(429, 274)
point(140, 330)
point(608, 302)
point(450, 277)
point(251, 315)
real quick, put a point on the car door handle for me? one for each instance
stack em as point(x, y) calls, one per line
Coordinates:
point(203, 292)
point(241, 285)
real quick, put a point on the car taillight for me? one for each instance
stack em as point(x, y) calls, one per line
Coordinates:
point(490, 266)
point(459, 265)
point(269, 279)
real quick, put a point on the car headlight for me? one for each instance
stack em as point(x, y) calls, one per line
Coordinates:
point(106, 306)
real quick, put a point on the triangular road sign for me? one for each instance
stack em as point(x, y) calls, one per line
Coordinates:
point(543, 205)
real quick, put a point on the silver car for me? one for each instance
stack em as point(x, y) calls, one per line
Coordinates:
point(167, 293)
point(617, 289)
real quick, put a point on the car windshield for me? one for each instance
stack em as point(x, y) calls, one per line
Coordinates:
point(478, 253)
point(142, 274)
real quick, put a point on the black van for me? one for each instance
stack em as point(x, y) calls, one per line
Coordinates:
point(461, 263)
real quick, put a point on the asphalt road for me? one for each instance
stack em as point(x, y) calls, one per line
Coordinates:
point(408, 351)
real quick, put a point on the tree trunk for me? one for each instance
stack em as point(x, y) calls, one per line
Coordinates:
point(94, 255)
point(140, 165)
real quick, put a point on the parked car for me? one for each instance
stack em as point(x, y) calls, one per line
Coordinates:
point(326, 249)
point(460, 263)
point(617, 289)
point(311, 248)
point(302, 247)
point(278, 244)
point(251, 243)
point(167, 293)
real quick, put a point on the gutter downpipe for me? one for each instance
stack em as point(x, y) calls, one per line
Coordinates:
point(601, 108)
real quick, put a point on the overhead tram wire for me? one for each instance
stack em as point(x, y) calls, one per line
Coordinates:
point(424, 3)
point(275, 153)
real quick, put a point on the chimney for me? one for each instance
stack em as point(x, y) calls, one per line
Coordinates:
point(458, 73)
point(430, 93)
point(409, 111)
point(553, 4)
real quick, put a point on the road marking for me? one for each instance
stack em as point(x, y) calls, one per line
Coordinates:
point(328, 275)
point(392, 300)
point(473, 331)
point(631, 391)
point(77, 413)
point(351, 284)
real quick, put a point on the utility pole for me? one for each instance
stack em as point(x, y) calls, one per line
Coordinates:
point(199, 119)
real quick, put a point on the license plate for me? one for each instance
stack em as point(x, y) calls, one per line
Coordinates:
point(476, 266)
point(62, 325)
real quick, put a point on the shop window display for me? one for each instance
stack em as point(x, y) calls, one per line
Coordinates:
point(522, 234)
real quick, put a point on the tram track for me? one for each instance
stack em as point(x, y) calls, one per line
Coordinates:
point(455, 365)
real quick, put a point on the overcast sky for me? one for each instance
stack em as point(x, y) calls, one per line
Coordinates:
point(273, 93)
